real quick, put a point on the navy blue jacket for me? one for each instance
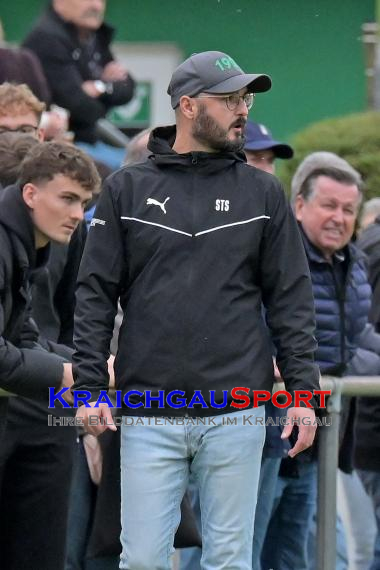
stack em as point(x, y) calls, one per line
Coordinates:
point(342, 299)
point(341, 305)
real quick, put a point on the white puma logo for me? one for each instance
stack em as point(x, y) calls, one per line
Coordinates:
point(95, 221)
point(157, 203)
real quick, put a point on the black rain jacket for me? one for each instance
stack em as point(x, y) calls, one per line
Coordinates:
point(194, 244)
point(26, 368)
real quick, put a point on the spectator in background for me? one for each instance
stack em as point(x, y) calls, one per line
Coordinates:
point(55, 183)
point(42, 454)
point(20, 110)
point(73, 44)
point(13, 149)
point(326, 193)
point(367, 423)
point(20, 114)
point(20, 65)
point(137, 148)
point(369, 242)
point(370, 211)
point(262, 150)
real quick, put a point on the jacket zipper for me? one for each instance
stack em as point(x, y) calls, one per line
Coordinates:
point(341, 295)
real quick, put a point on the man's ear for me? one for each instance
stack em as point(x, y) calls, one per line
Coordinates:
point(188, 106)
point(298, 207)
point(41, 134)
point(29, 193)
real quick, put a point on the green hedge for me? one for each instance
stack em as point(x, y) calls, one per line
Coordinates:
point(354, 137)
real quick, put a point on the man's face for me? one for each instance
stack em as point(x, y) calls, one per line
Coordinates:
point(216, 127)
point(328, 216)
point(56, 208)
point(262, 159)
point(85, 14)
point(25, 122)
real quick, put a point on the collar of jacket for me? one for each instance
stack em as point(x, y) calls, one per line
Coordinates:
point(314, 254)
point(161, 141)
point(105, 31)
point(17, 221)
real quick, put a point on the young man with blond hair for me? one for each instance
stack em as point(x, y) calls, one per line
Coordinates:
point(20, 110)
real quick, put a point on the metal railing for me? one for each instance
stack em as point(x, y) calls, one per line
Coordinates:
point(328, 457)
point(328, 451)
point(368, 386)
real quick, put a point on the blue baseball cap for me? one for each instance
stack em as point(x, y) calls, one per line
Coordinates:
point(258, 137)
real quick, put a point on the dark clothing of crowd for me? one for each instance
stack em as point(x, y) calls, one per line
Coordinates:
point(67, 63)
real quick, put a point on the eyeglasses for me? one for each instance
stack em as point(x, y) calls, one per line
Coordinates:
point(25, 129)
point(232, 101)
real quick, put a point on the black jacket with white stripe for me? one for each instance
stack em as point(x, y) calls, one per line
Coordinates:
point(194, 244)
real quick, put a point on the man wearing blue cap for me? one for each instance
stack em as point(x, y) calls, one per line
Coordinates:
point(193, 241)
point(261, 149)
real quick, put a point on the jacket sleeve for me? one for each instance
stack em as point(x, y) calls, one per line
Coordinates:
point(101, 272)
point(63, 77)
point(64, 297)
point(27, 370)
point(370, 339)
point(288, 298)
point(122, 92)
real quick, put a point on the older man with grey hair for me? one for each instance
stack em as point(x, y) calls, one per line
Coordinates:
point(326, 194)
point(317, 161)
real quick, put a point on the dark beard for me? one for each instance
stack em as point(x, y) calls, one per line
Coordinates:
point(207, 131)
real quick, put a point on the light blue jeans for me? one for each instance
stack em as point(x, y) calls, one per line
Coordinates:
point(190, 558)
point(155, 464)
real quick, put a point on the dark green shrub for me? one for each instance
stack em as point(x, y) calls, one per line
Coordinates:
point(353, 137)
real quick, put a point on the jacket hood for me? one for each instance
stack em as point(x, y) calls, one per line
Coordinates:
point(161, 141)
point(15, 216)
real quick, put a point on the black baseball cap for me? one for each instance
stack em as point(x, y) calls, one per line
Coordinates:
point(258, 137)
point(213, 72)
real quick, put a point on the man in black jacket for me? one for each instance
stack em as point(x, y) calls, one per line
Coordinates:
point(193, 241)
point(29, 220)
point(56, 181)
point(73, 44)
point(367, 421)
